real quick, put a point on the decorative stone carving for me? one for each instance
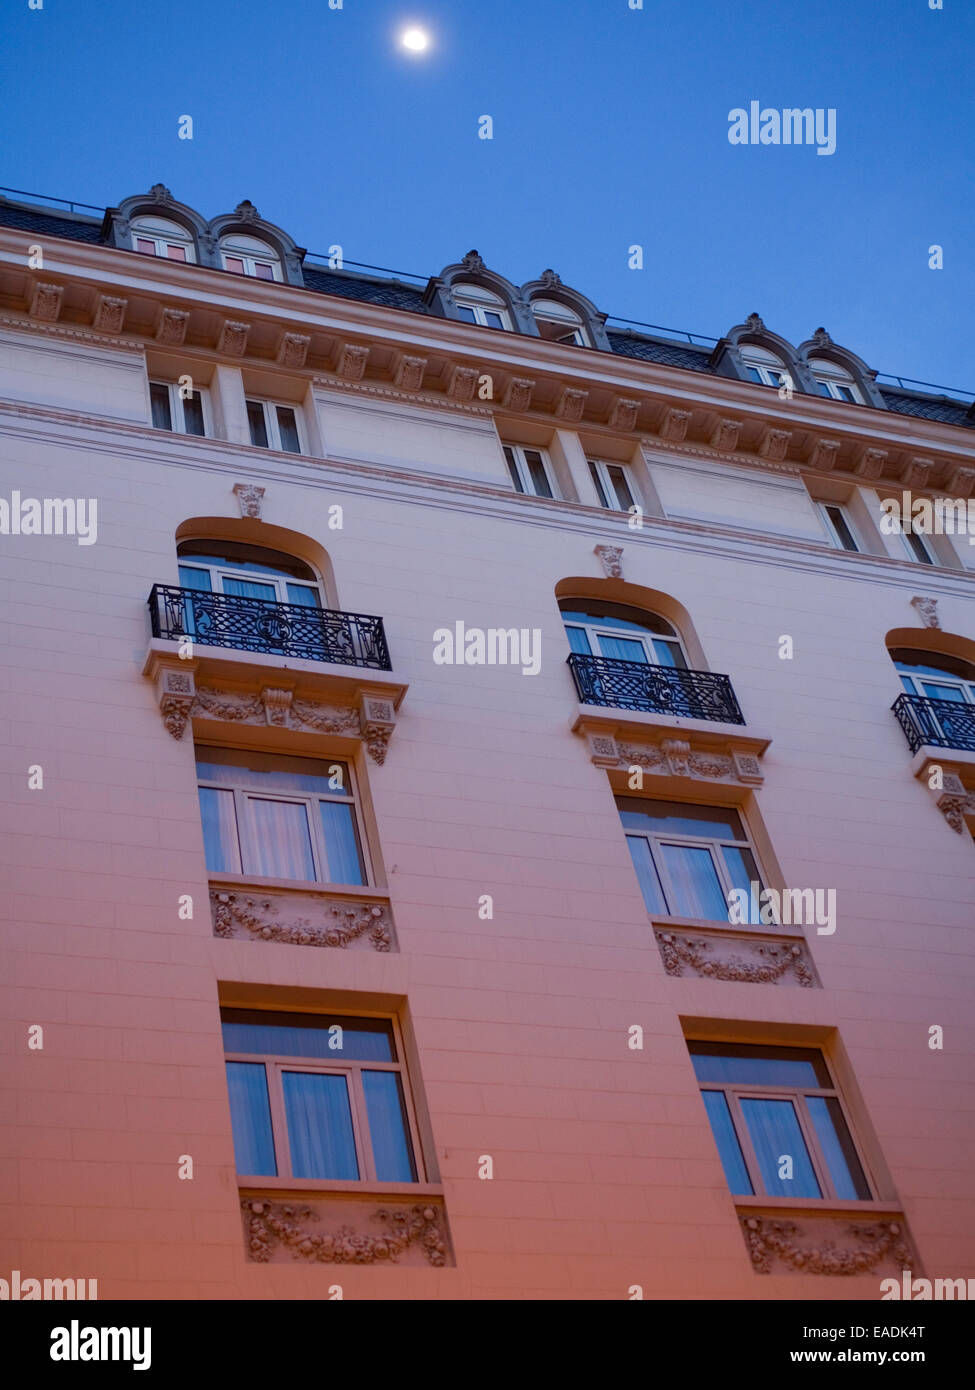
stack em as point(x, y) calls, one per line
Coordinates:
point(277, 703)
point(674, 426)
point(176, 690)
point(623, 414)
point(326, 719)
point(871, 463)
point(293, 350)
point(159, 193)
point(960, 481)
point(247, 212)
point(927, 610)
point(330, 922)
point(799, 1246)
point(45, 302)
point(824, 455)
point(955, 801)
point(710, 765)
point(775, 444)
point(289, 1227)
point(409, 372)
point(518, 393)
point(550, 279)
point(378, 719)
point(725, 436)
point(230, 705)
point(603, 751)
point(650, 756)
point(233, 338)
point(755, 323)
point(109, 313)
point(822, 339)
point(473, 262)
point(751, 960)
point(677, 757)
point(747, 768)
point(571, 404)
point(676, 751)
point(171, 327)
point(916, 472)
point(611, 559)
point(462, 383)
point(352, 361)
point(251, 499)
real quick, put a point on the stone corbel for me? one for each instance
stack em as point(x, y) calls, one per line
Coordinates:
point(176, 693)
point(251, 499)
point(916, 471)
point(824, 454)
point(960, 481)
point(611, 559)
point(171, 327)
point(571, 404)
point(725, 436)
point(927, 610)
point(377, 715)
point(408, 374)
point(45, 302)
point(670, 748)
point(871, 463)
point(775, 445)
point(109, 313)
point(293, 350)
point(351, 363)
point(462, 384)
point(674, 425)
point(518, 393)
point(233, 338)
point(623, 414)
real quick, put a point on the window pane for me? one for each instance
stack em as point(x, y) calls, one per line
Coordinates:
point(824, 388)
point(249, 588)
point(391, 1147)
point(234, 263)
point(492, 319)
point(270, 1034)
point(727, 1141)
point(837, 1147)
point(219, 830)
point(678, 818)
point(668, 654)
point(622, 488)
point(755, 374)
point(842, 529)
point(288, 429)
point(774, 1130)
point(918, 548)
point(697, 889)
point(250, 1117)
point(192, 578)
point(263, 271)
point(319, 1126)
point(509, 459)
point(257, 424)
point(536, 471)
point(741, 866)
point(145, 246)
point(647, 875)
point(235, 765)
point(466, 313)
point(578, 640)
point(162, 418)
point(175, 253)
point(304, 595)
point(935, 691)
point(193, 414)
point(622, 648)
point(750, 1065)
point(281, 840)
point(846, 393)
point(341, 843)
point(598, 482)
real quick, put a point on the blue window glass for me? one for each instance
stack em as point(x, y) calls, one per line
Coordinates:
point(646, 874)
point(263, 1033)
point(694, 880)
point(676, 818)
point(250, 1116)
point(219, 830)
point(749, 1065)
point(727, 1141)
point(837, 1146)
point(320, 1133)
point(341, 843)
point(391, 1147)
point(773, 1127)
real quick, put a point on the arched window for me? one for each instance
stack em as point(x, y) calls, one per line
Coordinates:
point(763, 366)
point(245, 255)
point(558, 323)
point(475, 304)
point(934, 675)
point(247, 571)
point(157, 236)
point(834, 381)
point(613, 630)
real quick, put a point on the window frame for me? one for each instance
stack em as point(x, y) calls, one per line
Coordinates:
point(735, 1092)
point(280, 582)
point(599, 471)
point(177, 410)
point(515, 456)
point(762, 365)
point(912, 541)
point(162, 241)
point(836, 380)
point(246, 836)
point(834, 534)
point(714, 844)
point(270, 407)
point(250, 259)
point(594, 628)
point(469, 298)
point(275, 1064)
point(574, 330)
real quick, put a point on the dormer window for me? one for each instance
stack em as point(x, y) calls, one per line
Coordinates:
point(157, 236)
point(763, 366)
point(474, 304)
point(834, 382)
point(245, 255)
point(558, 323)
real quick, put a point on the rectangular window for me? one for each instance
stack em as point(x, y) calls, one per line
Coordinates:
point(318, 1096)
point(274, 426)
point(280, 817)
point(687, 858)
point(839, 525)
point(530, 470)
point(172, 411)
point(917, 547)
point(778, 1122)
point(611, 485)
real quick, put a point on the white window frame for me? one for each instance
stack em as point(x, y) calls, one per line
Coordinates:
point(553, 312)
point(271, 427)
point(279, 582)
point(274, 1064)
point(250, 258)
point(517, 462)
point(599, 471)
point(714, 845)
point(594, 629)
point(246, 839)
point(834, 534)
point(910, 682)
point(481, 302)
point(176, 408)
point(771, 370)
point(836, 380)
point(162, 240)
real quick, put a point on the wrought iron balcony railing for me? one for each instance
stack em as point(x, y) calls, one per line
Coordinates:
point(939, 723)
point(603, 680)
point(259, 625)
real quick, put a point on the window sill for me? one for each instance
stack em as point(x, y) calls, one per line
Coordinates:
point(825, 1206)
point(292, 885)
point(724, 928)
point(251, 1186)
point(274, 910)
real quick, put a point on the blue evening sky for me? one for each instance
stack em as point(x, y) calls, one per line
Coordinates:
point(610, 128)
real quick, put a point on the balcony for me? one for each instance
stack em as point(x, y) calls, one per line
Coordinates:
point(277, 629)
point(634, 685)
point(936, 723)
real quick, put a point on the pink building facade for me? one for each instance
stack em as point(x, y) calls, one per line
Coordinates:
point(458, 842)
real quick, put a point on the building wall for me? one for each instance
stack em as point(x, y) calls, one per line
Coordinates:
point(605, 1171)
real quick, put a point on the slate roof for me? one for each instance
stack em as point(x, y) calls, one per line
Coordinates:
point(394, 294)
